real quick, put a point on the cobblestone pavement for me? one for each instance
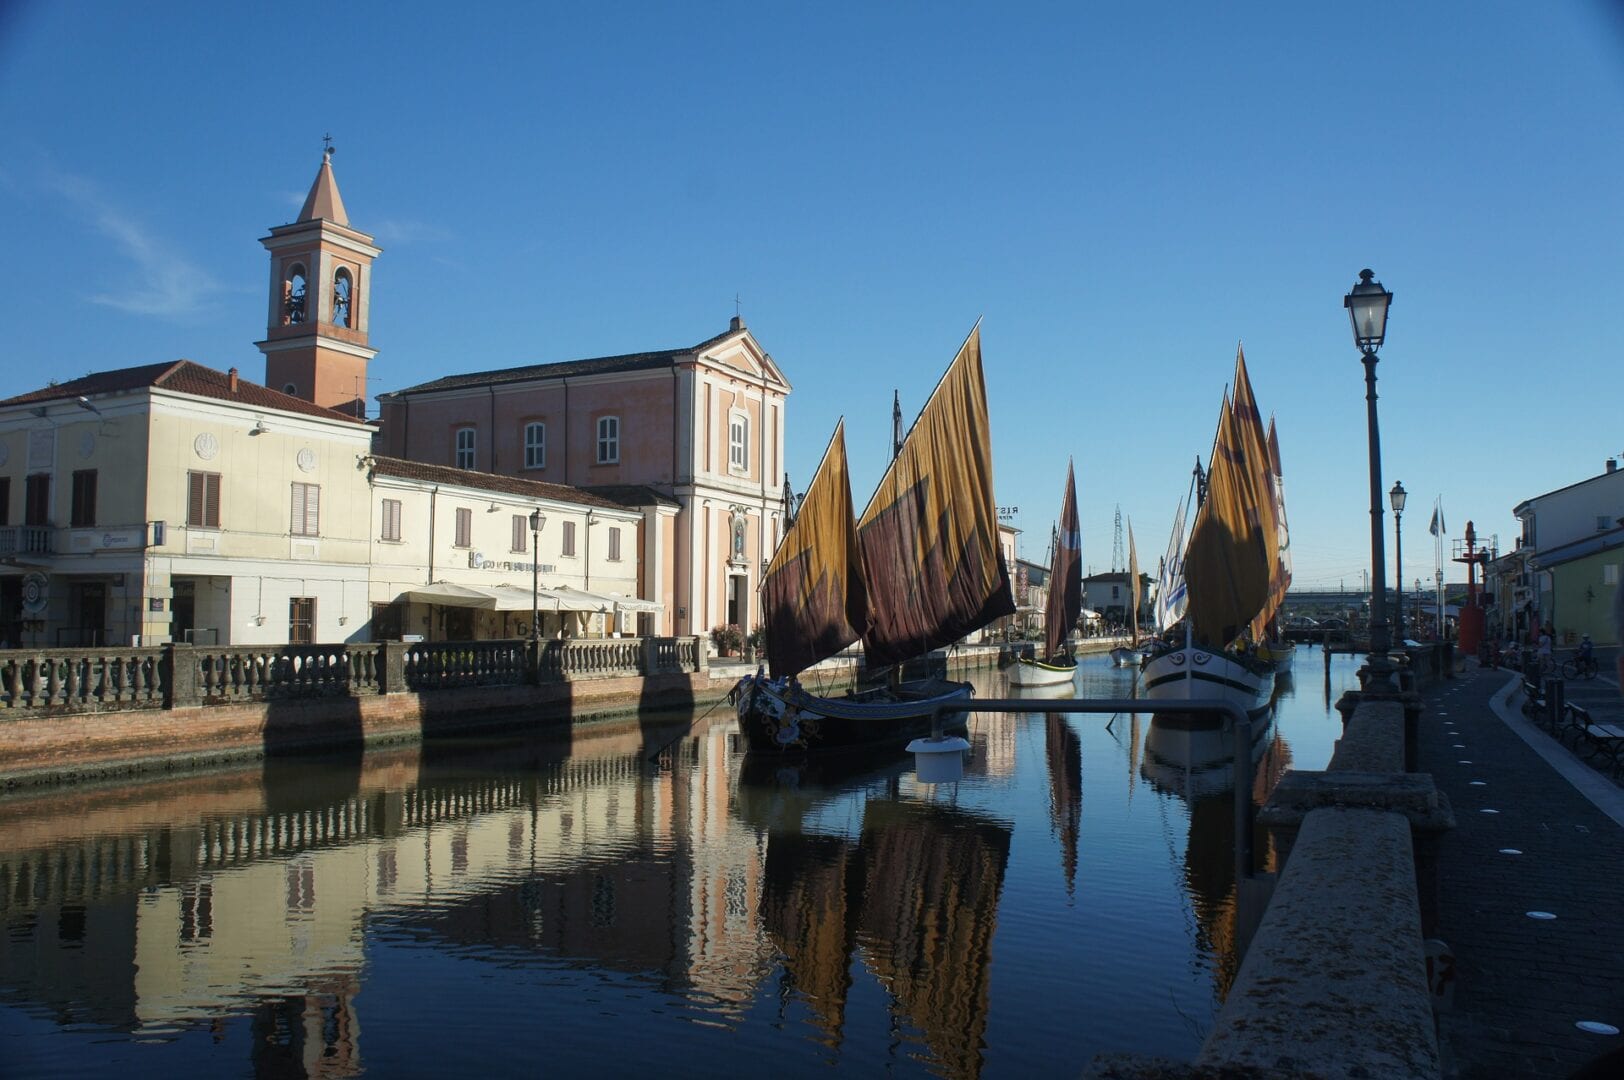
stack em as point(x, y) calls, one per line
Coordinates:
point(1527, 840)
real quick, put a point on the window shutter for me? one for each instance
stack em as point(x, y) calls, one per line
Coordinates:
point(211, 500)
point(194, 498)
point(312, 509)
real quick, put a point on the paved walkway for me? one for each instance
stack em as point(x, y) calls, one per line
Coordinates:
point(1554, 843)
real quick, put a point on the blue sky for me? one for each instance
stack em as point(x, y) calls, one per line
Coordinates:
point(1122, 192)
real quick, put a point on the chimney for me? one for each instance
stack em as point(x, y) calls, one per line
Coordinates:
point(736, 323)
point(1612, 464)
point(231, 383)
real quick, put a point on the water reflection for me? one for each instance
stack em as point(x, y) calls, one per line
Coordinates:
point(328, 918)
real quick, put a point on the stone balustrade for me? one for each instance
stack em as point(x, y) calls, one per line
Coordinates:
point(177, 676)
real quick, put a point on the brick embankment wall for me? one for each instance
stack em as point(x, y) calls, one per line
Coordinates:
point(59, 747)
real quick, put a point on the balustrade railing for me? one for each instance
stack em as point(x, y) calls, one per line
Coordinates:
point(25, 540)
point(248, 673)
point(169, 676)
point(82, 678)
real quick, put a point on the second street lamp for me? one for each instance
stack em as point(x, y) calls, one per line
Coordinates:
point(1367, 305)
point(1396, 499)
point(537, 520)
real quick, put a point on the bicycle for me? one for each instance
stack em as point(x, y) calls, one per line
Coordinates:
point(1580, 667)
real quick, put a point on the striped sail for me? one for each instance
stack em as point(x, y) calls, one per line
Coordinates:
point(929, 535)
point(1065, 602)
point(813, 597)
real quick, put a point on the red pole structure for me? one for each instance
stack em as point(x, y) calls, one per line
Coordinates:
point(1471, 615)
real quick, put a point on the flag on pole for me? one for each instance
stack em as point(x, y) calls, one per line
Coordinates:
point(1438, 528)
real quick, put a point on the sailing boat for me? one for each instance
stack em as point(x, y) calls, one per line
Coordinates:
point(1227, 569)
point(920, 569)
point(1128, 655)
point(1065, 603)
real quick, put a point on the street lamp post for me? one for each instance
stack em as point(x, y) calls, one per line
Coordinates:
point(1367, 306)
point(1396, 499)
point(1417, 621)
point(537, 520)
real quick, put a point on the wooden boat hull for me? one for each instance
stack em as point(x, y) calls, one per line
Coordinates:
point(1025, 672)
point(1278, 653)
point(1186, 673)
point(782, 719)
point(1122, 656)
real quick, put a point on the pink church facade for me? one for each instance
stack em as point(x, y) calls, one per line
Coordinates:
point(691, 437)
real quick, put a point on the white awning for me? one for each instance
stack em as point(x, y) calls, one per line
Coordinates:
point(633, 603)
point(570, 599)
point(448, 595)
point(483, 597)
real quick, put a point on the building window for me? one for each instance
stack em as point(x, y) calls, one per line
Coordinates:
point(343, 295)
point(83, 511)
point(614, 544)
point(465, 527)
point(302, 620)
point(568, 540)
point(465, 448)
point(1609, 574)
point(306, 517)
point(535, 446)
point(5, 500)
point(203, 500)
point(290, 389)
point(1603, 523)
point(391, 519)
point(293, 296)
point(738, 441)
point(37, 499)
point(608, 440)
point(521, 532)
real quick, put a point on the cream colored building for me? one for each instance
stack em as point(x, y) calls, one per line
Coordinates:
point(176, 502)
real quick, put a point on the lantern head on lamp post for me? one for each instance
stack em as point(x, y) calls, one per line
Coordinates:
point(1367, 305)
point(1395, 499)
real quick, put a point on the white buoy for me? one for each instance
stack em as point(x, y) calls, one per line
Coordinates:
point(939, 759)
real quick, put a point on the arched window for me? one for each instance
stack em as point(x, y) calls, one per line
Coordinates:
point(608, 440)
point(343, 288)
point(535, 446)
point(293, 296)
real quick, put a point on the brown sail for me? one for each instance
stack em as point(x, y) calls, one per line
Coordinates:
point(1259, 478)
point(1225, 568)
point(813, 598)
point(930, 533)
point(1133, 587)
point(1066, 575)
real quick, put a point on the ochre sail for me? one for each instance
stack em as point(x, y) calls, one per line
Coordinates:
point(813, 598)
point(930, 533)
point(1066, 575)
point(1259, 480)
point(1225, 569)
point(1280, 574)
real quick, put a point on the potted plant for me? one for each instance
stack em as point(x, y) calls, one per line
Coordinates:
point(728, 639)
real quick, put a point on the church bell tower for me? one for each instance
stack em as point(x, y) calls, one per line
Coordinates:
point(321, 283)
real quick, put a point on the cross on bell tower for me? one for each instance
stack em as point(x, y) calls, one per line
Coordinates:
point(316, 344)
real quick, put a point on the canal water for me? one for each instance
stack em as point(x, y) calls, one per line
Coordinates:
point(642, 898)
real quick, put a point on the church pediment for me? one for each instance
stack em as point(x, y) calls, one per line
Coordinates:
point(744, 356)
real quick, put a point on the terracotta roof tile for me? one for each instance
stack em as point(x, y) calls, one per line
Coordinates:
point(599, 365)
point(633, 494)
point(184, 377)
point(508, 485)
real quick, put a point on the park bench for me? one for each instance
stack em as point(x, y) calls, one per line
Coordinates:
point(1604, 739)
point(1533, 705)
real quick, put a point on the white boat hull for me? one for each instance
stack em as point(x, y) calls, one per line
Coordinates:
point(1026, 672)
point(1186, 674)
point(1280, 654)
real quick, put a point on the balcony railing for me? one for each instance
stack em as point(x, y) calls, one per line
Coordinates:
point(18, 540)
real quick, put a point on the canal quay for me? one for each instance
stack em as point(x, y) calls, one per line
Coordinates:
point(640, 896)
